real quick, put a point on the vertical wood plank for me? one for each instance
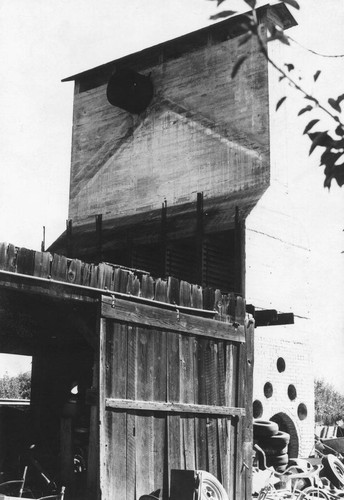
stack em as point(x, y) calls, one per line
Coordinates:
point(187, 389)
point(86, 274)
point(185, 294)
point(173, 290)
point(144, 423)
point(131, 418)
point(59, 268)
point(42, 264)
point(101, 416)
point(208, 298)
point(93, 447)
point(108, 277)
point(11, 255)
point(221, 422)
point(247, 422)
point(196, 297)
point(161, 290)
point(74, 271)
point(159, 394)
point(123, 281)
point(218, 306)
point(93, 276)
point(116, 421)
point(67, 475)
point(174, 429)
point(187, 396)
point(147, 287)
point(3, 255)
point(201, 422)
point(117, 279)
point(25, 261)
point(211, 397)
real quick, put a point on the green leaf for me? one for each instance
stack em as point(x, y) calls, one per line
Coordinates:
point(245, 39)
point(340, 98)
point(340, 130)
point(309, 126)
point(219, 2)
point(316, 75)
point(290, 67)
point(278, 34)
point(335, 104)
point(281, 78)
point(304, 110)
point(280, 102)
point(328, 158)
point(224, 13)
point(319, 139)
point(251, 3)
point(293, 3)
point(237, 65)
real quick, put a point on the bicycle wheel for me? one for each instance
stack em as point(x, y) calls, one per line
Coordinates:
point(312, 493)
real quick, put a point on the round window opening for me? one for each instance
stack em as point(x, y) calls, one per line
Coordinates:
point(268, 390)
point(292, 392)
point(280, 365)
point(302, 411)
point(257, 409)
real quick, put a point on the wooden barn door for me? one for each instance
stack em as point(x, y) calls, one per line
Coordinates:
point(175, 393)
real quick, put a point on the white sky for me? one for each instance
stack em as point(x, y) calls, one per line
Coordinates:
point(43, 41)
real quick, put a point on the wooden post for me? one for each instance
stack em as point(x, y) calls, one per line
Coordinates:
point(163, 241)
point(69, 234)
point(99, 236)
point(199, 240)
point(238, 252)
point(247, 436)
point(66, 453)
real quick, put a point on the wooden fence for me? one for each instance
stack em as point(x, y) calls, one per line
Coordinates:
point(109, 277)
point(173, 375)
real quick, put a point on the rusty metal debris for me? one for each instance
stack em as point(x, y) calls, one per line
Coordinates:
point(301, 481)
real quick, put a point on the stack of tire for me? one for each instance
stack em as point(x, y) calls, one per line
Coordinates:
point(273, 442)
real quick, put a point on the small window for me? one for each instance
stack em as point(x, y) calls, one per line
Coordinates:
point(257, 409)
point(280, 365)
point(292, 393)
point(15, 377)
point(268, 390)
point(302, 411)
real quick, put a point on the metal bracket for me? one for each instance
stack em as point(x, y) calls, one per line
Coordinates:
point(113, 301)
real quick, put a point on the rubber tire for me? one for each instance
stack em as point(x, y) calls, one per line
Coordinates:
point(333, 470)
point(273, 452)
point(320, 494)
point(278, 461)
point(279, 440)
point(264, 428)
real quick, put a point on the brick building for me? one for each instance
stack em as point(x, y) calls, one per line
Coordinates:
point(172, 173)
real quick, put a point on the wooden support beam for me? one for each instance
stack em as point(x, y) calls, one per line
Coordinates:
point(158, 406)
point(69, 237)
point(165, 319)
point(99, 236)
point(199, 278)
point(163, 242)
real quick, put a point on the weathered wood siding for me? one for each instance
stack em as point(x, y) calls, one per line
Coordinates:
point(203, 131)
point(172, 399)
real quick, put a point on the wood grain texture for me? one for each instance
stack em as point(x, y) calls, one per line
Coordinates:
point(230, 125)
point(142, 314)
point(155, 406)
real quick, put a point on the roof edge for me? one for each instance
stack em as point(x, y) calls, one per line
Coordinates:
point(279, 9)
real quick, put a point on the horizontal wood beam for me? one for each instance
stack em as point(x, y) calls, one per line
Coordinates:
point(128, 404)
point(156, 317)
point(47, 287)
